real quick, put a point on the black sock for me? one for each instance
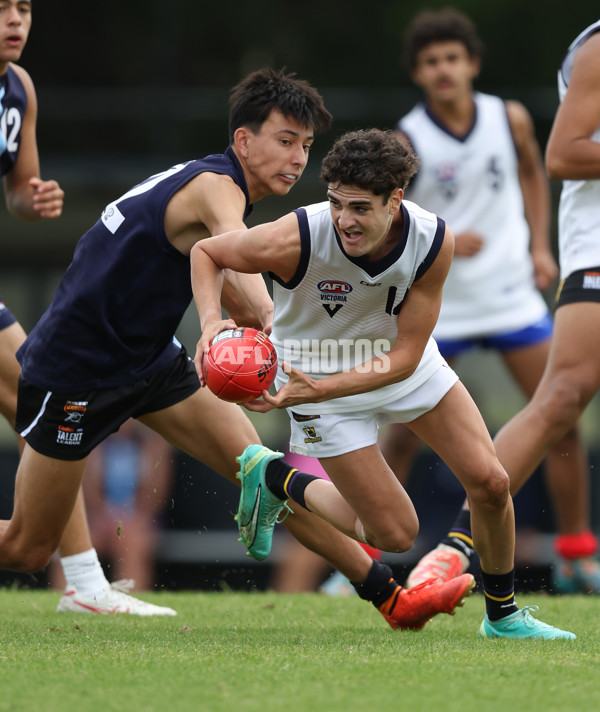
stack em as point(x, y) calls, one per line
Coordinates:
point(459, 535)
point(499, 590)
point(287, 482)
point(378, 586)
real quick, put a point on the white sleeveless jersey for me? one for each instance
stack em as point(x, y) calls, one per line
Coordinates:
point(338, 311)
point(472, 182)
point(579, 208)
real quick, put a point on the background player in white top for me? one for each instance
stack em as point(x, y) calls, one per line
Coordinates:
point(481, 170)
point(572, 375)
point(30, 198)
point(390, 260)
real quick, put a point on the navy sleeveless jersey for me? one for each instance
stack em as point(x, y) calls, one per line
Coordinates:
point(113, 318)
point(13, 104)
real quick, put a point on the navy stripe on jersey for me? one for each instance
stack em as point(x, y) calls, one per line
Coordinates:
point(14, 105)
point(446, 129)
point(510, 130)
point(304, 252)
point(567, 62)
point(436, 246)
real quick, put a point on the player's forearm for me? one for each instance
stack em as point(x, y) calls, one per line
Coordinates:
point(371, 375)
point(578, 159)
point(254, 293)
point(207, 282)
point(536, 197)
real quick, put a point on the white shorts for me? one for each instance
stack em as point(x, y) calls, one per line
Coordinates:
point(332, 434)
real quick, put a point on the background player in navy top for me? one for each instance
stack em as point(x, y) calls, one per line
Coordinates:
point(104, 350)
point(30, 198)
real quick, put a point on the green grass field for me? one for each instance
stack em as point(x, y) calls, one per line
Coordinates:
point(265, 652)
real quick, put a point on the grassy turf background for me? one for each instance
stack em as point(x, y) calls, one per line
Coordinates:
point(262, 651)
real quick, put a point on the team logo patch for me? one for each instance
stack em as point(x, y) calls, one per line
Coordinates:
point(332, 286)
point(333, 290)
point(311, 435)
point(446, 178)
point(75, 410)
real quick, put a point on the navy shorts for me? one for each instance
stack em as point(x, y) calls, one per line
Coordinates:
point(503, 342)
point(68, 426)
point(6, 316)
point(580, 286)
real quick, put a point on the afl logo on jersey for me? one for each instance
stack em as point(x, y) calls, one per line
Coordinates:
point(330, 286)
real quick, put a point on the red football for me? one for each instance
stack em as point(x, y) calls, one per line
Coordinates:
point(240, 365)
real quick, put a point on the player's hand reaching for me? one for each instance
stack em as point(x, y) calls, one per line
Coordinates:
point(300, 388)
point(210, 330)
point(48, 197)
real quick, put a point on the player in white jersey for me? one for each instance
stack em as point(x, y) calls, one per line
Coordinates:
point(481, 169)
point(572, 375)
point(366, 358)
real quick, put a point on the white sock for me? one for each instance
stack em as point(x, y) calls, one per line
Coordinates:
point(83, 571)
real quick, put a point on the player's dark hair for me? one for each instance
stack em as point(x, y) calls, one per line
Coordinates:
point(443, 25)
point(370, 159)
point(253, 99)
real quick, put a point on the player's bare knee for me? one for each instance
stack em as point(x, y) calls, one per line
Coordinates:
point(397, 538)
point(493, 493)
point(564, 402)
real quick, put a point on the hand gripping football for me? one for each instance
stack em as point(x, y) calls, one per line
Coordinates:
point(240, 364)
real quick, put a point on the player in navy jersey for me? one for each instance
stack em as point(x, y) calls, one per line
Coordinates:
point(30, 198)
point(364, 359)
point(104, 350)
point(481, 168)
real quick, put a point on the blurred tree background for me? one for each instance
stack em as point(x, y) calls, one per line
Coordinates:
point(128, 88)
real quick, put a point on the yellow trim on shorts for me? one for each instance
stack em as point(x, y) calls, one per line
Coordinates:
point(559, 290)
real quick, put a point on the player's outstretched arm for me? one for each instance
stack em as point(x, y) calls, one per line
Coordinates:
point(273, 247)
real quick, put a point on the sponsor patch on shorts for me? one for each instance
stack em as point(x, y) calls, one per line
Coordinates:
point(303, 418)
point(591, 280)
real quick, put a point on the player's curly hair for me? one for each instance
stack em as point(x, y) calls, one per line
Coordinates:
point(371, 159)
point(442, 25)
point(252, 100)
